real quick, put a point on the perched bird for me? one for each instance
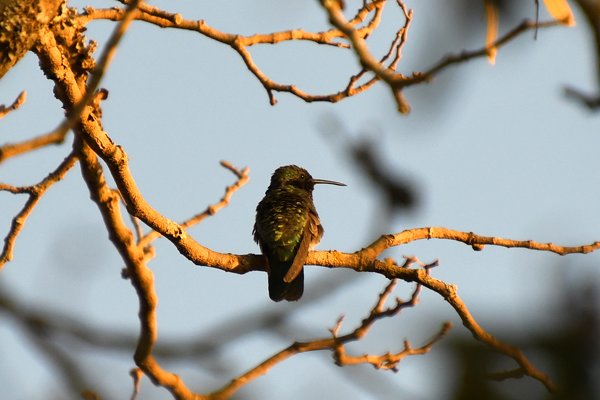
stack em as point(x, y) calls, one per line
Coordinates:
point(287, 226)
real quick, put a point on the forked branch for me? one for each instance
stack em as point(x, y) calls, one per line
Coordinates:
point(336, 345)
point(16, 104)
point(243, 176)
point(35, 193)
point(397, 81)
point(364, 22)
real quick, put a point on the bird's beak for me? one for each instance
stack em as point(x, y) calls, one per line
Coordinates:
point(326, 182)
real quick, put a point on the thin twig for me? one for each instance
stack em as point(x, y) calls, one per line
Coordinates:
point(390, 361)
point(332, 343)
point(243, 177)
point(371, 12)
point(9, 150)
point(19, 101)
point(476, 241)
point(137, 375)
point(35, 193)
point(397, 81)
point(138, 273)
point(450, 293)
point(464, 56)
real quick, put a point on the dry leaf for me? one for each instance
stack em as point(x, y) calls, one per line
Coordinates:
point(491, 16)
point(560, 11)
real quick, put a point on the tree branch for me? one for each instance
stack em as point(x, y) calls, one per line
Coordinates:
point(372, 10)
point(467, 55)
point(9, 150)
point(85, 95)
point(55, 63)
point(336, 344)
point(19, 101)
point(35, 193)
point(450, 293)
point(397, 81)
point(243, 177)
point(138, 273)
point(390, 360)
point(477, 242)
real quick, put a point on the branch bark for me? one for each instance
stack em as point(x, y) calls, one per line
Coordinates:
point(20, 23)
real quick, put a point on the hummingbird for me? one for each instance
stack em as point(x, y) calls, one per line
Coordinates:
point(287, 226)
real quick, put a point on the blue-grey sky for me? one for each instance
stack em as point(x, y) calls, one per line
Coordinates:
point(497, 150)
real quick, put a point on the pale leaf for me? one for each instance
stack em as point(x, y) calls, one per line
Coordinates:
point(560, 11)
point(491, 16)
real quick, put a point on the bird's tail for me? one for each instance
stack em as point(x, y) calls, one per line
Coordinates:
point(280, 290)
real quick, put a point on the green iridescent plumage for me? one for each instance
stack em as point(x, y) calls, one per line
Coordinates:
point(287, 226)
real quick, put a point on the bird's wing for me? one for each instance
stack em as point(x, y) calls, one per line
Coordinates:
point(300, 257)
point(310, 237)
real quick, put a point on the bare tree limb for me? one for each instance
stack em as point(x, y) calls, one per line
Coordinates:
point(477, 242)
point(371, 9)
point(450, 293)
point(243, 177)
point(19, 101)
point(56, 65)
point(9, 150)
point(88, 93)
point(351, 29)
point(138, 273)
point(35, 193)
point(397, 81)
point(390, 360)
point(20, 22)
point(336, 344)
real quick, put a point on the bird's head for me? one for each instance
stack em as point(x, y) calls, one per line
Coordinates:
point(297, 177)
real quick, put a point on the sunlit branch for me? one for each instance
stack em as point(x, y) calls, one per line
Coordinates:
point(390, 360)
point(35, 193)
point(53, 62)
point(84, 101)
point(138, 273)
point(449, 60)
point(90, 129)
point(336, 344)
point(243, 177)
point(372, 10)
point(477, 242)
point(449, 292)
point(9, 150)
point(397, 81)
point(19, 101)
